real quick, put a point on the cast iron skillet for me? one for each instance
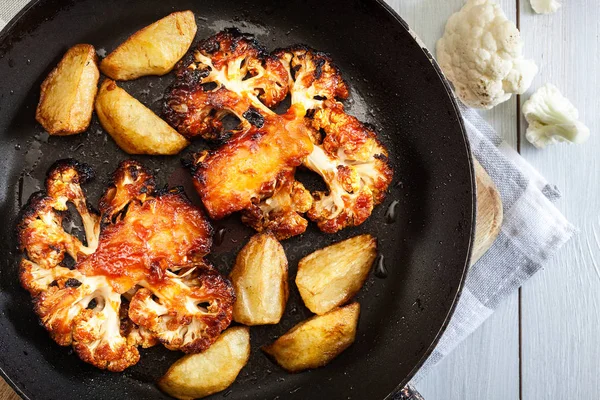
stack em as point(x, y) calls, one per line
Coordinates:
point(395, 86)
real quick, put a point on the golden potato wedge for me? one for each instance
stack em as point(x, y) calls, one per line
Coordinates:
point(68, 92)
point(135, 128)
point(260, 281)
point(318, 340)
point(200, 375)
point(153, 50)
point(331, 276)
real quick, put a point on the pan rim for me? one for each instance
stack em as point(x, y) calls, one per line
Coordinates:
point(447, 87)
point(453, 100)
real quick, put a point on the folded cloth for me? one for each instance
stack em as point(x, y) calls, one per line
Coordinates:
point(532, 231)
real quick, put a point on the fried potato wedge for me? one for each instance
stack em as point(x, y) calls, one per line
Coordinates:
point(135, 128)
point(153, 50)
point(200, 375)
point(68, 92)
point(331, 276)
point(260, 281)
point(318, 340)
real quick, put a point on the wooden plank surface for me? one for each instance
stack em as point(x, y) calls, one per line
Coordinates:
point(561, 305)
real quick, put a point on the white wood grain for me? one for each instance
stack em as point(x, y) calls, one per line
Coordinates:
point(485, 365)
point(561, 305)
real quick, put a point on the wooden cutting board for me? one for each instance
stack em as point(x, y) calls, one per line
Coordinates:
point(489, 219)
point(489, 213)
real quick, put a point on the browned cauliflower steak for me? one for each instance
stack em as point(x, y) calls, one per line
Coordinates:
point(144, 242)
point(253, 171)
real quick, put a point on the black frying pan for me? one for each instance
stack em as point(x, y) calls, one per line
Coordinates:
point(395, 86)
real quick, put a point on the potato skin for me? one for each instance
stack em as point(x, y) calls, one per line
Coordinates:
point(260, 281)
point(67, 94)
point(199, 375)
point(329, 277)
point(318, 340)
point(135, 128)
point(153, 50)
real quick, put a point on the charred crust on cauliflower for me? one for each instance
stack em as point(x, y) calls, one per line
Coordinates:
point(147, 238)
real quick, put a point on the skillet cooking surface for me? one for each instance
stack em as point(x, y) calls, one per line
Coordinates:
point(394, 86)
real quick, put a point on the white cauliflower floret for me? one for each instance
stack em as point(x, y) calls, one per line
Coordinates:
point(481, 53)
point(545, 6)
point(552, 118)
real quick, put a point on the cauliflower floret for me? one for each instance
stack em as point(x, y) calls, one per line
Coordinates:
point(312, 77)
point(227, 74)
point(348, 156)
point(281, 212)
point(131, 182)
point(552, 118)
point(144, 234)
point(481, 53)
point(545, 6)
point(81, 311)
point(41, 233)
point(186, 312)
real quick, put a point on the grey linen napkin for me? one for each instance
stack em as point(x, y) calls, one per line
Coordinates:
point(532, 231)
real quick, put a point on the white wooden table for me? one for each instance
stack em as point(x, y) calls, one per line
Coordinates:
point(544, 341)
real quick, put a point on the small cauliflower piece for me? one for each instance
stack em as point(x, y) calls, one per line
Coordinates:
point(153, 50)
point(331, 276)
point(481, 53)
point(545, 6)
point(281, 213)
point(552, 119)
point(260, 281)
point(67, 94)
point(318, 340)
point(200, 375)
point(133, 126)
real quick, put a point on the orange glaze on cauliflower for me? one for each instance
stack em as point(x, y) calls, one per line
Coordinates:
point(143, 238)
point(253, 170)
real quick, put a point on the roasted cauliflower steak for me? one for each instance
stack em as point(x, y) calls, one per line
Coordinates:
point(253, 169)
point(137, 279)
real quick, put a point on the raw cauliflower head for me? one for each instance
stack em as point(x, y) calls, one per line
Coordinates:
point(481, 53)
point(545, 6)
point(144, 236)
point(552, 119)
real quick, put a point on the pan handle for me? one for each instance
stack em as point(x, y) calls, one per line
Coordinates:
point(408, 393)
